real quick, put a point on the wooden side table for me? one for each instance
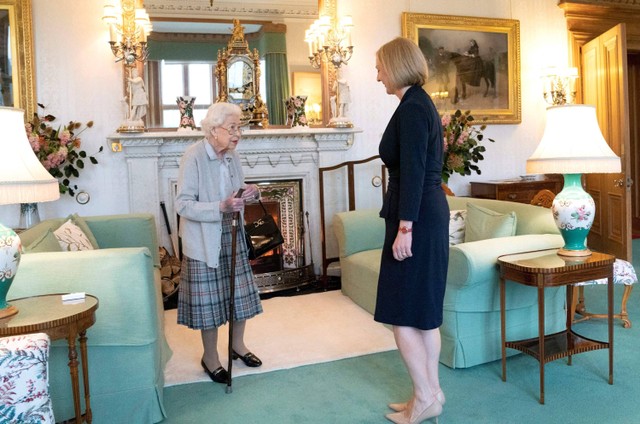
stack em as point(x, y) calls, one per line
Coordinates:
point(542, 269)
point(514, 190)
point(60, 320)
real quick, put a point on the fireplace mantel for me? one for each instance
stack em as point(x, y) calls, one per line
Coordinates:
point(254, 142)
point(153, 159)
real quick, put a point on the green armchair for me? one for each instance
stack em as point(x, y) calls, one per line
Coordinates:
point(127, 349)
point(471, 328)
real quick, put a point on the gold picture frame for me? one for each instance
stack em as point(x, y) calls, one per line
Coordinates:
point(18, 84)
point(309, 84)
point(474, 63)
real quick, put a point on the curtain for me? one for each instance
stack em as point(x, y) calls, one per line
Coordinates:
point(276, 72)
point(154, 113)
point(6, 79)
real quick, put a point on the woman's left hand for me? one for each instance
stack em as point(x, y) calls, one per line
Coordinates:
point(402, 246)
point(251, 193)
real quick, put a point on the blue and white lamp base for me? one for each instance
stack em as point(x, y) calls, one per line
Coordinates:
point(574, 211)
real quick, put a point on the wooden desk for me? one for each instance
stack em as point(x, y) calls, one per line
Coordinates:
point(515, 190)
point(543, 269)
point(48, 314)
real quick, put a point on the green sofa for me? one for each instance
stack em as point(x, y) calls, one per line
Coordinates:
point(127, 349)
point(471, 327)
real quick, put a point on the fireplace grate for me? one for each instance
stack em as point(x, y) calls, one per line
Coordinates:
point(269, 282)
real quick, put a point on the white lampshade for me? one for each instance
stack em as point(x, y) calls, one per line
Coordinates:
point(572, 143)
point(110, 14)
point(23, 179)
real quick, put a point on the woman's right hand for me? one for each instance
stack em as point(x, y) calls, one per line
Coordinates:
point(232, 204)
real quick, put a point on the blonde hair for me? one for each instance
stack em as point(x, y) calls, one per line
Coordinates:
point(403, 62)
point(217, 114)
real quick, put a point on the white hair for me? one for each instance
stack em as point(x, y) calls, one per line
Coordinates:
point(217, 114)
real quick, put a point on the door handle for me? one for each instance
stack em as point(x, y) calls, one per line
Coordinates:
point(621, 182)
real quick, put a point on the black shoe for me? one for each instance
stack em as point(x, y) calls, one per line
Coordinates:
point(249, 359)
point(220, 375)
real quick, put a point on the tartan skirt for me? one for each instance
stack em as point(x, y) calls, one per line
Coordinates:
point(204, 292)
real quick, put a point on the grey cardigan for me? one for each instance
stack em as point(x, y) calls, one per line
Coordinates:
point(198, 200)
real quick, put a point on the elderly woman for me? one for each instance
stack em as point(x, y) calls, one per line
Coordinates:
point(209, 180)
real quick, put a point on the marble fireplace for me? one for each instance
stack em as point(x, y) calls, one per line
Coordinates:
point(271, 157)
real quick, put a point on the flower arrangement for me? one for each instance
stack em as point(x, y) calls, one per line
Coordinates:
point(296, 115)
point(462, 148)
point(185, 105)
point(59, 149)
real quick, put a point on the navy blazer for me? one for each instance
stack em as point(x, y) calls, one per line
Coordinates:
point(412, 148)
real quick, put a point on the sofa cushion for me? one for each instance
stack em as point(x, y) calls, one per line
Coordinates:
point(47, 242)
point(483, 223)
point(362, 270)
point(72, 238)
point(131, 230)
point(531, 219)
point(360, 230)
point(456, 226)
point(82, 224)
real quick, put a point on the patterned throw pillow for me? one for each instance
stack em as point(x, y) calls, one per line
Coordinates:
point(72, 238)
point(80, 222)
point(456, 226)
point(25, 381)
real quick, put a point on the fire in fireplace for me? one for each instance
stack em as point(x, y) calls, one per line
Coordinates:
point(284, 267)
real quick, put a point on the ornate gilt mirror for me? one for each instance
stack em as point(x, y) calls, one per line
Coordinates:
point(184, 45)
point(16, 57)
point(238, 78)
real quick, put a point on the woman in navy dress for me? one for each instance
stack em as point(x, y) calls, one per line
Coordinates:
point(415, 254)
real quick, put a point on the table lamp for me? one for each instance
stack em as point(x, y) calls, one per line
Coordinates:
point(23, 179)
point(572, 145)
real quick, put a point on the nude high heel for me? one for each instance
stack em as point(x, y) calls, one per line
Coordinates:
point(398, 407)
point(432, 411)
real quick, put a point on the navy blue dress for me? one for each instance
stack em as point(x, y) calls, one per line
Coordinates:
point(411, 292)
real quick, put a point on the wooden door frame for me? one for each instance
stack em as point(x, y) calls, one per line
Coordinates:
point(633, 75)
point(587, 19)
point(604, 83)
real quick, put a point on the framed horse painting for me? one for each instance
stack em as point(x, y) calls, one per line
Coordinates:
point(474, 63)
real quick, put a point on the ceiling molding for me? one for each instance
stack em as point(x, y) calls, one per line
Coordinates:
point(229, 9)
point(587, 18)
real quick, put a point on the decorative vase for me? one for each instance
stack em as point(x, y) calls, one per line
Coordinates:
point(29, 215)
point(295, 111)
point(10, 248)
point(574, 211)
point(185, 105)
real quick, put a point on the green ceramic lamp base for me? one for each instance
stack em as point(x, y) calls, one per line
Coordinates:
point(574, 211)
point(10, 250)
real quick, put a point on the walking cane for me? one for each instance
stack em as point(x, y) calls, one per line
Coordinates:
point(232, 290)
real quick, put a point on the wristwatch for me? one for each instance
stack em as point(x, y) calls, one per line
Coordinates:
point(405, 230)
